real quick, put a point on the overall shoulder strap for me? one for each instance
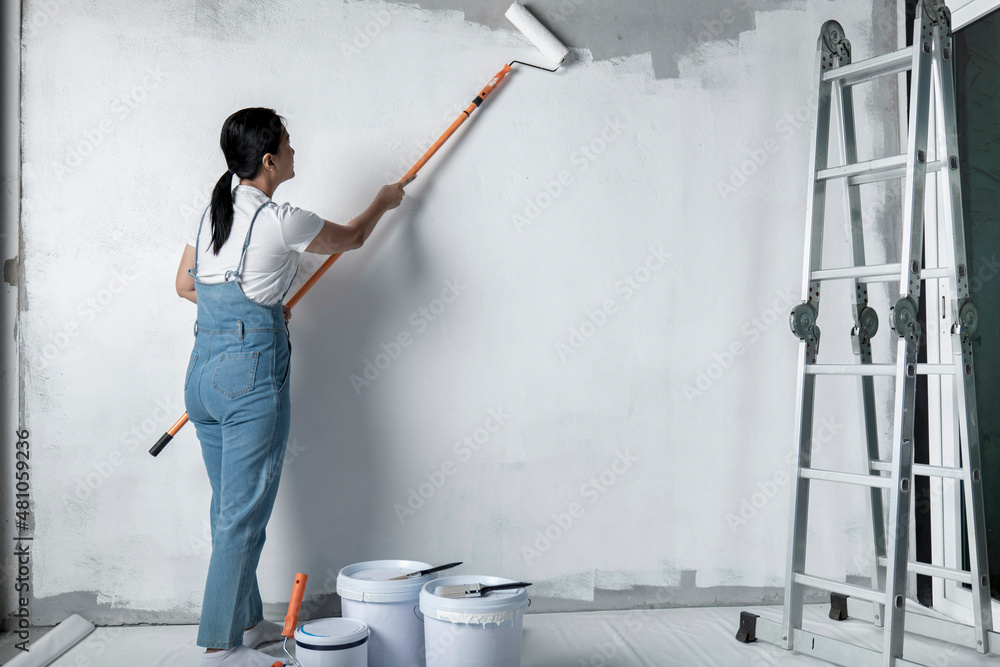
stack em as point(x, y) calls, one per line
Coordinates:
point(238, 273)
point(197, 243)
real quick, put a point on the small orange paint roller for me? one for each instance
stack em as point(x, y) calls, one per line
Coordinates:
point(292, 617)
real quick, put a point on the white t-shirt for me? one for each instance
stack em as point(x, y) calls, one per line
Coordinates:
point(280, 234)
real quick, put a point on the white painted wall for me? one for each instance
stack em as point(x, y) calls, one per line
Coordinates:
point(123, 103)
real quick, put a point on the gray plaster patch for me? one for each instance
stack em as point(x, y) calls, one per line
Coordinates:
point(10, 271)
point(627, 27)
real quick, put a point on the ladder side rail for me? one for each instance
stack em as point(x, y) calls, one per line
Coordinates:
point(900, 500)
point(865, 326)
point(916, 160)
point(805, 386)
point(908, 329)
point(965, 319)
point(936, 255)
point(941, 422)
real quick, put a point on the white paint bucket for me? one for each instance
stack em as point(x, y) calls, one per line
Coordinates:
point(332, 642)
point(387, 607)
point(473, 632)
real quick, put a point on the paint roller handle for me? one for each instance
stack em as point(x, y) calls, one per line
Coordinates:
point(292, 617)
point(494, 82)
point(483, 94)
point(407, 177)
point(169, 435)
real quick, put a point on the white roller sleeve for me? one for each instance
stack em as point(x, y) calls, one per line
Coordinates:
point(551, 48)
point(54, 643)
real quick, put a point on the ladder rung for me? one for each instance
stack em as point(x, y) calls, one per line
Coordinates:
point(922, 469)
point(846, 477)
point(933, 571)
point(883, 271)
point(841, 587)
point(866, 70)
point(872, 167)
point(889, 174)
point(874, 273)
point(875, 369)
point(872, 171)
point(928, 274)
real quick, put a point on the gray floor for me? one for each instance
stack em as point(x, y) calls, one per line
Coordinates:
point(681, 637)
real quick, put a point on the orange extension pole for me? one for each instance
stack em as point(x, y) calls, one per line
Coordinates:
point(314, 278)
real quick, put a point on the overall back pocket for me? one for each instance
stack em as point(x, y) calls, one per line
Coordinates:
point(235, 373)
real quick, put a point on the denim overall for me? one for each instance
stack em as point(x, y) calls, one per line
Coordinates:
point(236, 394)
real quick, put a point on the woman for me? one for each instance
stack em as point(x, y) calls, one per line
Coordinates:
point(236, 386)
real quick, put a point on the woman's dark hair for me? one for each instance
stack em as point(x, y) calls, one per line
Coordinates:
point(247, 136)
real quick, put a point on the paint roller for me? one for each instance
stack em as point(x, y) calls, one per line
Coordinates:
point(292, 617)
point(555, 53)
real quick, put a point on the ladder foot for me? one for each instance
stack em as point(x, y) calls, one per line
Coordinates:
point(838, 607)
point(748, 627)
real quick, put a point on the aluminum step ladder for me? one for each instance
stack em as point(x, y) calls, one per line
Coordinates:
point(885, 603)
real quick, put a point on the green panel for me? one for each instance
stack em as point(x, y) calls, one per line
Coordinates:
point(978, 90)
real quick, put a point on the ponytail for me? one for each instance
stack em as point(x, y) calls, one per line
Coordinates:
point(247, 136)
point(222, 211)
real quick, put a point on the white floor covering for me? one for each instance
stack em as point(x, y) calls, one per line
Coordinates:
point(653, 638)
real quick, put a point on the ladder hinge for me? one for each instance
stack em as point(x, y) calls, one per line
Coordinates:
point(965, 328)
point(865, 328)
point(802, 321)
point(905, 321)
point(834, 42)
point(938, 14)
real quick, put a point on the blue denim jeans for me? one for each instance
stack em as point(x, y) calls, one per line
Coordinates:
point(237, 396)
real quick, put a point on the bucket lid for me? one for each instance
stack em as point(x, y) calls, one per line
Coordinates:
point(369, 581)
point(331, 634)
point(494, 607)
